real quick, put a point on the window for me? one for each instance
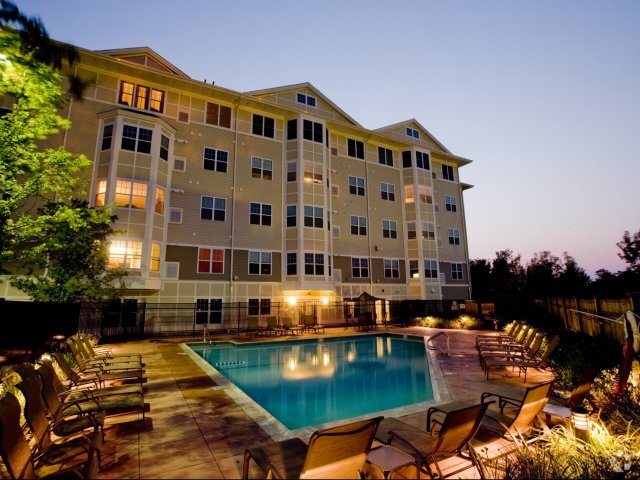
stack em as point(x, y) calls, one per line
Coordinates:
point(430, 269)
point(356, 186)
point(261, 168)
point(164, 148)
point(101, 193)
point(159, 201)
point(172, 270)
point(154, 263)
point(387, 191)
point(413, 269)
point(358, 225)
point(218, 115)
point(454, 236)
point(389, 229)
point(312, 131)
point(292, 169)
point(408, 194)
point(456, 271)
point(215, 160)
point(306, 99)
point(428, 230)
point(312, 172)
point(355, 148)
point(175, 215)
point(139, 96)
point(208, 310)
point(259, 263)
point(359, 267)
point(210, 260)
point(450, 203)
point(259, 306)
point(107, 136)
point(263, 126)
point(125, 253)
point(447, 172)
point(179, 164)
point(391, 268)
point(314, 264)
point(212, 208)
point(422, 160)
point(260, 214)
point(313, 216)
point(130, 194)
point(292, 263)
point(136, 139)
point(413, 133)
point(292, 215)
point(406, 159)
point(292, 129)
point(411, 230)
point(425, 194)
point(385, 156)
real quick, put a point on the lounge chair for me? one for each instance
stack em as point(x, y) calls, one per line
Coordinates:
point(94, 376)
point(524, 420)
point(460, 424)
point(309, 323)
point(79, 351)
point(338, 452)
point(101, 368)
point(525, 341)
point(21, 462)
point(48, 451)
point(289, 327)
point(104, 352)
point(509, 333)
point(253, 325)
point(272, 325)
point(517, 351)
point(540, 362)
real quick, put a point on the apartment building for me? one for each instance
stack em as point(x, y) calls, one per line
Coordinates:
point(263, 196)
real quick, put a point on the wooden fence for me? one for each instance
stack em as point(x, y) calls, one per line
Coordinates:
point(593, 316)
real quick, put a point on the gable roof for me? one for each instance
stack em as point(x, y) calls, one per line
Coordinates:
point(412, 122)
point(306, 85)
point(146, 57)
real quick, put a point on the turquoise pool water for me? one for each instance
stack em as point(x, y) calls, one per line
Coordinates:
point(304, 383)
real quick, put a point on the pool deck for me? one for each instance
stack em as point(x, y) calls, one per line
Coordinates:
point(197, 428)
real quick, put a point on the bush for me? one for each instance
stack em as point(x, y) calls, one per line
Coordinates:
point(619, 410)
point(462, 322)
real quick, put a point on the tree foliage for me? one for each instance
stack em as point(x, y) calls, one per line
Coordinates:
point(32, 175)
point(630, 250)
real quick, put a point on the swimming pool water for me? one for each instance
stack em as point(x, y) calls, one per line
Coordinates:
point(304, 383)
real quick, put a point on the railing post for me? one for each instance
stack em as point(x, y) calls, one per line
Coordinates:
point(596, 301)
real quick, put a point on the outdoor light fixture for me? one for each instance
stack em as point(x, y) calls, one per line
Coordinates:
point(292, 301)
point(580, 421)
point(325, 300)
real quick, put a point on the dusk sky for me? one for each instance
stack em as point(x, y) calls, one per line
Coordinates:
point(543, 96)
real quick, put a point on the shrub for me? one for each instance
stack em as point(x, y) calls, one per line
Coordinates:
point(462, 322)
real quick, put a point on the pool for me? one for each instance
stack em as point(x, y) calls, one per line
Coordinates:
point(304, 383)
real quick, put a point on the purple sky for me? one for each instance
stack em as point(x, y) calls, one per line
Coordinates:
point(544, 96)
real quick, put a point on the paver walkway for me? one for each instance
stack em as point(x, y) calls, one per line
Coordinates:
point(195, 430)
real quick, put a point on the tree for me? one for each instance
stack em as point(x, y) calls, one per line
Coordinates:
point(573, 281)
point(31, 175)
point(69, 244)
point(630, 246)
point(480, 270)
point(543, 271)
point(507, 280)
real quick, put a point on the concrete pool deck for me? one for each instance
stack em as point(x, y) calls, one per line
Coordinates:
point(196, 429)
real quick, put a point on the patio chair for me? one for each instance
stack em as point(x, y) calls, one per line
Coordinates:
point(526, 340)
point(460, 424)
point(309, 323)
point(509, 333)
point(272, 325)
point(289, 327)
point(106, 353)
point(80, 352)
point(95, 375)
point(540, 362)
point(516, 351)
point(338, 452)
point(524, 422)
point(21, 462)
point(102, 368)
point(48, 451)
point(253, 325)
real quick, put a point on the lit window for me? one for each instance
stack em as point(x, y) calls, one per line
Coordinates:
point(131, 194)
point(391, 268)
point(218, 115)
point(413, 269)
point(359, 267)
point(387, 191)
point(210, 260)
point(154, 264)
point(450, 203)
point(261, 168)
point(146, 98)
point(356, 186)
point(126, 93)
point(314, 264)
point(159, 205)
point(456, 271)
point(408, 194)
point(259, 263)
point(312, 172)
point(212, 208)
point(292, 263)
point(454, 236)
point(260, 214)
point(358, 225)
point(215, 160)
point(389, 229)
point(107, 136)
point(142, 97)
point(313, 216)
point(425, 194)
point(263, 126)
point(430, 269)
point(125, 253)
point(101, 193)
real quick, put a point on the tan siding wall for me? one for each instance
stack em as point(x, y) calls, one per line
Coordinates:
point(241, 267)
point(377, 271)
point(188, 258)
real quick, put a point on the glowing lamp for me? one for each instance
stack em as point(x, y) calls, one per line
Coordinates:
point(292, 301)
point(580, 421)
point(325, 300)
